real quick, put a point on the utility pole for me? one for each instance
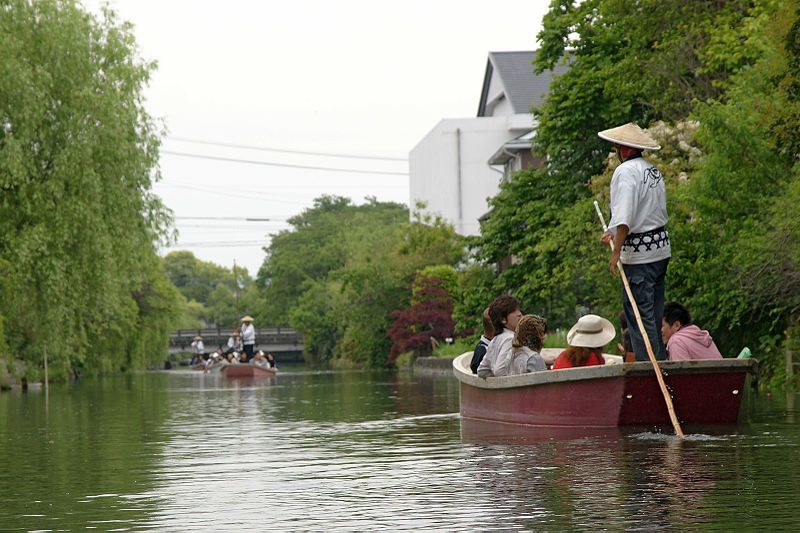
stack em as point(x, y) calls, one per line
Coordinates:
point(236, 288)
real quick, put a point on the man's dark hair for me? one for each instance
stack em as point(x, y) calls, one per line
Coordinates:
point(673, 311)
point(499, 309)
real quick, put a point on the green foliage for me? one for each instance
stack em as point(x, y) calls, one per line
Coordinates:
point(445, 273)
point(191, 315)
point(718, 83)
point(341, 270)
point(216, 295)
point(450, 351)
point(475, 291)
point(78, 223)
point(196, 279)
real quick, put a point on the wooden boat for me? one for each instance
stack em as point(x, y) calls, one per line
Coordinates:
point(611, 395)
point(245, 370)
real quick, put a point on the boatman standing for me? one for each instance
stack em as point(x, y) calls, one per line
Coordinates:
point(637, 228)
point(249, 336)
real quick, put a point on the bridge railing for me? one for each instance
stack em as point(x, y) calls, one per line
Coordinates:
point(213, 337)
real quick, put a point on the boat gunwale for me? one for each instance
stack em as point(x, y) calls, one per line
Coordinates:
point(246, 365)
point(463, 373)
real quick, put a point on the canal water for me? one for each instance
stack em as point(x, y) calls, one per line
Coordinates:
point(306, 450)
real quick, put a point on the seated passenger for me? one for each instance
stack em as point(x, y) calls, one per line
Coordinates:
point(483, 343)
point(527, 344)
point(259, 359)
point(504, 313)
point(234, 343)
point(684, 340)
point(586, 340)
point(197, 345)
point(271, 359)
point(214, 359)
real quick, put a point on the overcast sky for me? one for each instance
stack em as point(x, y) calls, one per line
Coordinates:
point(345, 77)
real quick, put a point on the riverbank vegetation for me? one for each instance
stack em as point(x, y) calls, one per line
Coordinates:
point(79, 275)
point(210, 294)
point(340, 271)
point(717, 84)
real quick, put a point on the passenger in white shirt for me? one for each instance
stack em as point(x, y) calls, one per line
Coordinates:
point(199, 350)
point(234, 343)
point(505, 313)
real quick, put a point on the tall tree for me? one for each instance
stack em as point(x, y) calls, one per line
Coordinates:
point(78, 220)
point(629, 61)
point(339, 272)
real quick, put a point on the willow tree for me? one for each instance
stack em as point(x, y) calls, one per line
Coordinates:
point(78, 221)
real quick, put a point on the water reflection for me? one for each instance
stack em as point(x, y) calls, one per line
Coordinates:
point(360, 451)
point(566, 478)
point(79, 455)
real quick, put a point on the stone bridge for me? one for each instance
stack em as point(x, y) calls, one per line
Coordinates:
point(278, 340)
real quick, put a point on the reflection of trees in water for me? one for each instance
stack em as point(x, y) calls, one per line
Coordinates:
point(668, 481)
point(421, 394)
point(82, 454)
point(546, 479)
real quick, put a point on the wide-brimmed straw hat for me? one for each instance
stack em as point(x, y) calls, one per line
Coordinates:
point(197, 338)
point(247, 318)
point(630, 135)
point(591, 331)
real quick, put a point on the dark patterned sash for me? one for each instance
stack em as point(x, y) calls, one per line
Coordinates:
point(646, 241)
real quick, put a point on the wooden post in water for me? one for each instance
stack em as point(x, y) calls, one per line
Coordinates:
point(46, 377)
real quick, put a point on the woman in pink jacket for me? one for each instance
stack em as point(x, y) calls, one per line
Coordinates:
point(684, 340)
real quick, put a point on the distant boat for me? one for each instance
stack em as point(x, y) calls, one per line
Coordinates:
point(245, 370)
point(604, 396)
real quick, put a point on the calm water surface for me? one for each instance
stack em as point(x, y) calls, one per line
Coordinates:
point(177, 451)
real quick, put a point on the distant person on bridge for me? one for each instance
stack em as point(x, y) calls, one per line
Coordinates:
point(248, 336)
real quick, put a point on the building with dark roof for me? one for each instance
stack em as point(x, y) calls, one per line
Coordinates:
point(460, 163)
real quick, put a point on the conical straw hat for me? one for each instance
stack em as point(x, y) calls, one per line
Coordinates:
point(247, 318)
point(630, 135)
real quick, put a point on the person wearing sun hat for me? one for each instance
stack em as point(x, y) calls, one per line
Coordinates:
point(637, 229)
point(248, 336)
point(586, 340)
point(234, 342)
point(199, 350)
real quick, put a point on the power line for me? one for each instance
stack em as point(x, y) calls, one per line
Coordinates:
point(219, 244)
point(285, 150)
point(283, 165)
point(237, 219)
point(264, 195)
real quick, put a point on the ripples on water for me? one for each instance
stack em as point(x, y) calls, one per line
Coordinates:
point(356, 451)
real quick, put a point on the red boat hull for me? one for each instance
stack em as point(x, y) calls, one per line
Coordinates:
point(704, 392)
point(246, 371)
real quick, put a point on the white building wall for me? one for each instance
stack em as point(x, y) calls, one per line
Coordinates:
point(502, 108)
point(434, 163)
